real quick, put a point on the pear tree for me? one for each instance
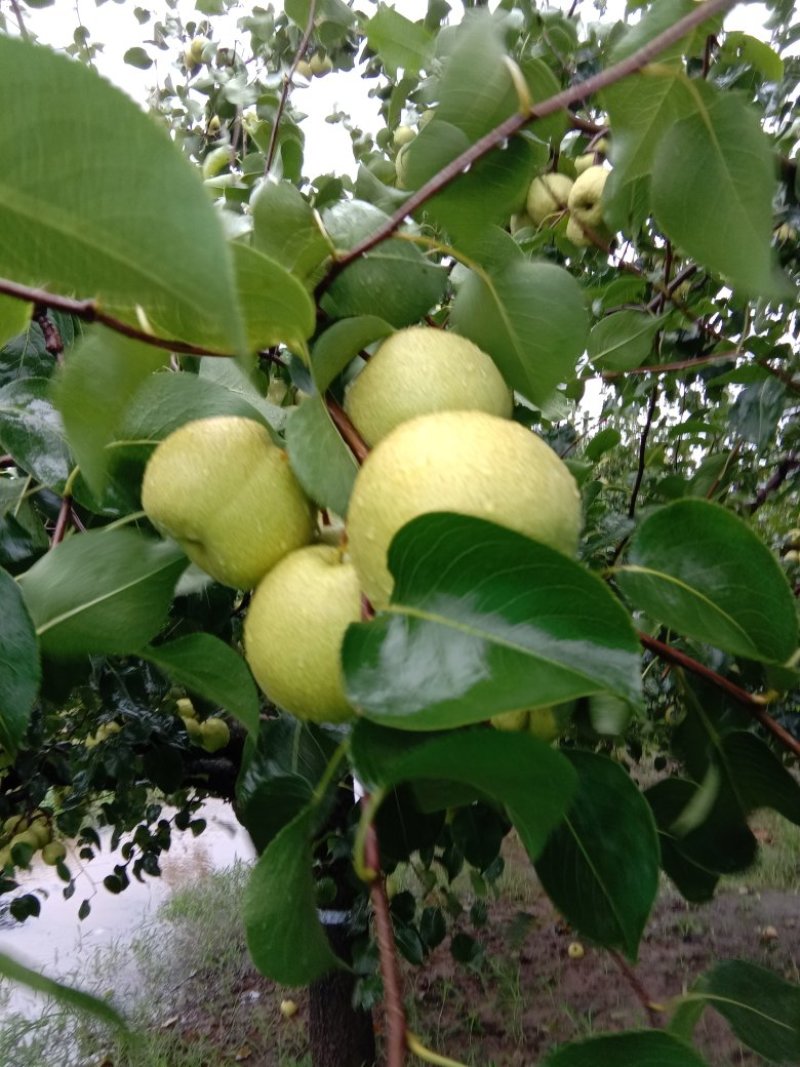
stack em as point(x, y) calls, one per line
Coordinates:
point(414, 503)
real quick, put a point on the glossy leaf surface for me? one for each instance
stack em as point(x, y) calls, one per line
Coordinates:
point(324, 465)
point(485, 620)
point(20, 672)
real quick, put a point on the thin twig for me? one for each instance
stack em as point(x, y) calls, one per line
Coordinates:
point(23, 29)
point(651, 408)
point(631, 977)
point(514, 123)
point(784, 468)
point(349, 434)
point(390, 971)
point(287, 84)
point(741, 696)
point(682, 364)
point(62, 522)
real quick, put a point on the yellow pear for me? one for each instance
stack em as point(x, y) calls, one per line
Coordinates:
point(294, 630)
point(582, 163)
point(403, 135)
point(462, 461)
point(214, 734)
point(585, 200)
point(547, 197)
point(421, 370)
point(227, 495)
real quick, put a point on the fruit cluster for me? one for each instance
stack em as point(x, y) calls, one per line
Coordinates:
point(437, 413)
point(550, 195)
point(21, 837)
point(211, 734)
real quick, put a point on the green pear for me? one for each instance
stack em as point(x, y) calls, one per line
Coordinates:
point(582, 163)
point(403, 135)
point(421, 370)
point(585, 201)
point(547, 197)
point(227, 495)
point(54, 853)
point(294, 630)
point(303, 68)
point(214, 734)
point(320, 65)
point(463, 461)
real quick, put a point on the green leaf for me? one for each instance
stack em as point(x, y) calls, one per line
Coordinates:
point(123, 218)
point(623, 340)
point(207, 666)
point(718, 204)
point(647, 1048)
point(395, 278)
point(699, 569)
point(20, 672)
point(758, 409)
point(284, 935)
point(668, 799)
point(484, 620)
point(324, 465)
point(530, 318)
point(15, 315)
point(742, 47)
point(762, 1009)
point(32, 432)
point(285, 228)
point(92, 392)
point(276, 306)
point(600, 867)
point(602, 442)
point(758, 776)
point(340, 343)
point(104, 591)
point(399, 42)
point(533, 781)
point(138, 57)
point(15, 971)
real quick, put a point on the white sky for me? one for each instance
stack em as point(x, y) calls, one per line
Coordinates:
point(114, 25)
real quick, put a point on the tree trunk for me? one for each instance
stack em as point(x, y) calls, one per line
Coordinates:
point(339, 1034)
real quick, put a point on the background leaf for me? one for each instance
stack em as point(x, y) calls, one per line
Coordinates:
point(32, 432)
point(699, 569)
point(600, 867)
point(340, 343)
point(101, 591)
point(207, 666)
point(623, 340)
point(14, 317)
point(398, 41)
point(20, 672)
point(285, 229)
point(324, 465)
point(284, 935)
point(484, 620)
point(132, 226)
point(648, 1048)
point(530, 318)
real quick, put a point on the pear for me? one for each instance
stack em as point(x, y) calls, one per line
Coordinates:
point(54, 852)
point(294, 630)
point(227, 495)
point(403, 135)
point(214, 735)
point(547, 197)
point(462, 461)
point(585, 198)
point(421, 370)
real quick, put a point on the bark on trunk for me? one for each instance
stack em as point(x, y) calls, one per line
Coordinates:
point(339, 1035)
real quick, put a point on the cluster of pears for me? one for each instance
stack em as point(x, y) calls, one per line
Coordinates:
point(35, 833)
point(551, 195)
point(316, 67)
point(436, 413)
point(211, 734)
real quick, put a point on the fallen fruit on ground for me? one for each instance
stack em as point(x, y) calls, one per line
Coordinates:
point(419, 371)
point(462, 461)
point(294, 630)
point(227, 495)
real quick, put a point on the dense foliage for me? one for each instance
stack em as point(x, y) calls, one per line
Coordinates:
point(166, 267)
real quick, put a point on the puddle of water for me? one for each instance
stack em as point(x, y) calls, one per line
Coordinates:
point(61, 946)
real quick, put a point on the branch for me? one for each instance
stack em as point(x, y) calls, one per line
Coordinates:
point(514, 123)
point(741, 696)
point(651, 408)
point(682, 364)
point(347, 431)
point(287, 83)
point(633, 980)
point(63, 521)
point(23, 29)
point(390, 971)
point(89, 311)
point(782, 471)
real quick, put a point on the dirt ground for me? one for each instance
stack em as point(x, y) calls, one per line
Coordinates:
point(527, 994)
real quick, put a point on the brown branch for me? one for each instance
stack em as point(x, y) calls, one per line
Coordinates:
point(682, 364)
point(88, 311)
point(585, 126)
point(514, 123)
point(62, 522)
point(637, 485)
point(349, 434)
point(633, 980)
point(287, 84)
point(741, 696)
point(390, 971)
point(784, 468)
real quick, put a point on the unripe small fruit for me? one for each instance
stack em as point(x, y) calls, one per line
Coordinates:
point(547, 197)
point(185, 708)
point(288, 1008)
point(214, 125)
point(214, 735)
point(421, 370)
point(54, 853)
point(403, 135)
point(576, 951)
